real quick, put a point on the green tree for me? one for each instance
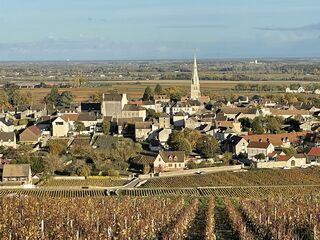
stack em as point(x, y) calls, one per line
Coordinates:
point(260, 156)
point(124, 148)
point(65, 99)
point(192, 136)
point(158, 89)
point(289, 151)
point(227, 157)
point(246, 123)
point(273, 124)
point(147, 95)
point(178, 142)
point(106, 127)
point(11, 91)
point(4, 101)
point(52, 98)
point(257, 126)
point(150, 114)
point(208, 146)
point(79, 126)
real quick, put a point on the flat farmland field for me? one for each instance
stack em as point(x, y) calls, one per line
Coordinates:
point(135, 89)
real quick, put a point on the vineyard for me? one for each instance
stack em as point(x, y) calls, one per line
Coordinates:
point(241, 192)
point(83, 183)
point(262, 177)
point(173, 218)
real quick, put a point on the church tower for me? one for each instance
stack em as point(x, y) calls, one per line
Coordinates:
point(195, 85)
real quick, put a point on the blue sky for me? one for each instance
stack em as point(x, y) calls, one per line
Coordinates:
point(158, 29)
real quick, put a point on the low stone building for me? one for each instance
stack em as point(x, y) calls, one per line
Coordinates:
point(20, 173)
point(8, 139)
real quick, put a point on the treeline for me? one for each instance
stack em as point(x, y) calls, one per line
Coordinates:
point(259, 87)
point(274, 87)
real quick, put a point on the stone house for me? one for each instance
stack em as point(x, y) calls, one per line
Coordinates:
point(235, 144)
point(8, 139)
point(131, 111)
point(143, 130)
point(60, 127)
point(112, 105)
point(169, 161)
point(6, 125)
point(20, 173)
point(255, 148)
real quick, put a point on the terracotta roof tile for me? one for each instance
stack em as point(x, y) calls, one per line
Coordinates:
point(314, 152)
point(258, 145)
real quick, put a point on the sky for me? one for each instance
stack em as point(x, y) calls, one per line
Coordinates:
point(158, 29)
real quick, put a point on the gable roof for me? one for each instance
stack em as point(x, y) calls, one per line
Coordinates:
point(70, 117)
point(262, 145)
point(16, 170)
point(172, 156)
point(233, 140)
point(34, 129)
point(291, 112)
point(283, 158)
point(89, 116)
point(237, 110)
point(6, 136)
point(314, 152)
point(6, 122)
point(276, 139)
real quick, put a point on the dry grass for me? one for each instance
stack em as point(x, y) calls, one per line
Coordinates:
point(135, 89)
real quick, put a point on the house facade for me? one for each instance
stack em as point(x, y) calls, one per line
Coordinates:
point(255, 148)
point(20, 173)
point(169, 161)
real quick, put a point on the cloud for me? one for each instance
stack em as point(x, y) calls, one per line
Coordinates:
point(191, 26)
point(310, 27)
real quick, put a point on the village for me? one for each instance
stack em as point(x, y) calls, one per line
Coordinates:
point(154, 135)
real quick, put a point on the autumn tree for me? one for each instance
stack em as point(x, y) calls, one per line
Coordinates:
point(178, 142)
point(207, 146)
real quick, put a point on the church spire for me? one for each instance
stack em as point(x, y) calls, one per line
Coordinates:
point(195, 84)
point(195, 76)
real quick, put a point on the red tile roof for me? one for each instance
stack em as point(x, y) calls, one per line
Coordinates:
point(276, 139)
point(283, 158)
point(258, 145)
point(70, 117)
point(314, 152)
